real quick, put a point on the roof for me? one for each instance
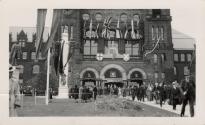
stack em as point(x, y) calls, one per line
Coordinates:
point(182, 41)
point(30, 31)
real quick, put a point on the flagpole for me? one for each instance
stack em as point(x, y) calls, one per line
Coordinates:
point(48, 72)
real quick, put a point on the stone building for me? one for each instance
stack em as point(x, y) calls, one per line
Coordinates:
point(107, 52)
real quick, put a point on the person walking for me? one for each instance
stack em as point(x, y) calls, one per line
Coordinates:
point(14, 92)
point(95, 90)
point(133, 93)
point(161, 93)
point(188, 96)
point(80, 93)
point(175, 95)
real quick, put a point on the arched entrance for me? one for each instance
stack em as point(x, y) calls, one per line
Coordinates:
point(88, 77)
point(136, 76)
point(113, 75)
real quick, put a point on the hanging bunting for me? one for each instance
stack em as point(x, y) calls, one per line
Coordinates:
point(118, 32)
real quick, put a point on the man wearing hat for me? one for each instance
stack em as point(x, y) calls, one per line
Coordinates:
point(14, 92)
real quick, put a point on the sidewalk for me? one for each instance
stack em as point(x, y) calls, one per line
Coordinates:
point(166, 107)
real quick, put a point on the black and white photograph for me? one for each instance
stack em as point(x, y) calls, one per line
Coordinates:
point(103, 62)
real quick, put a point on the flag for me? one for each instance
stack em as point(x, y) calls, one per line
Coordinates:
point(106, 25)
point(56, 21)
point(41, 17)
point(118, 32)
point(153, 47)
point(133, 36)
point(91, 28)
point(126, 31)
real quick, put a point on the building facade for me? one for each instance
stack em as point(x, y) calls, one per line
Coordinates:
point(30, 65)
point(120, 46)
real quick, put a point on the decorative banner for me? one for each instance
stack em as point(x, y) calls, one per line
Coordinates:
point(99, 57)
point(126, 57)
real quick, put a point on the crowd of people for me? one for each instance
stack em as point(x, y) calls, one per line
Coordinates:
point(173, 94)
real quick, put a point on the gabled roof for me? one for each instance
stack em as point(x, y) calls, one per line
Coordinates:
point(182, 41)
point(29, 31)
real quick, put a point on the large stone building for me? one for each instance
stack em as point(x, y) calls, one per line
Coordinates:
point(117, 46)
point(121, 59)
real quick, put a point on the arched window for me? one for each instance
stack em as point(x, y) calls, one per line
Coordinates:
point(153, 33)
point(162, 33)
point(36, 69)
point(33, 55)
point(182, 57)
point(155, 58)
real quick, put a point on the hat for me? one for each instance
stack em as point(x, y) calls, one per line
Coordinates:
point(11, 68)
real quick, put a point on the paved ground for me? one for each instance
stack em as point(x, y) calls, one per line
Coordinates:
point(68, 107)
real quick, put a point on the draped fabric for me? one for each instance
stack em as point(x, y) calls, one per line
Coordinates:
point(41, 17)
point(121, 46)
point(58, 58)
point(101, 45)
point(56, 21)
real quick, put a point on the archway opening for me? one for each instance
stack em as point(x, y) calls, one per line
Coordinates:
point(136, 78)
point(89, 78)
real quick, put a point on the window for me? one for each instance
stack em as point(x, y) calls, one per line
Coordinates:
point(24, 55)
point(132, 48)
point(162, 33)
point(21, 69)
point(155, 75)
point(176, 58)
point(157, 33)
point(136, 49)
point(98, 17)
point(163, 57)
point(189, 57)
point(35, 69)
point(175, 70)
point(153, 33)
point(163, 75)
point(86, 16)
point(186, 70)
point(33, 55)
point(182, 57)
point(90, 47)
point(128, 48)
point(40, 55)
point(155, 58)
point(123, 17)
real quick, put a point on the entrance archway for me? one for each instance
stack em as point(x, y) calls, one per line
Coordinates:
point(113, 66)
point(89, 76)
point(136, 76)
point(114, 75)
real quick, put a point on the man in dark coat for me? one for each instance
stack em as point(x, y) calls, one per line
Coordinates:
point(175, 95)
point(95, 92)
point(189, 96)
point(76, 92)
point(161, 90)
